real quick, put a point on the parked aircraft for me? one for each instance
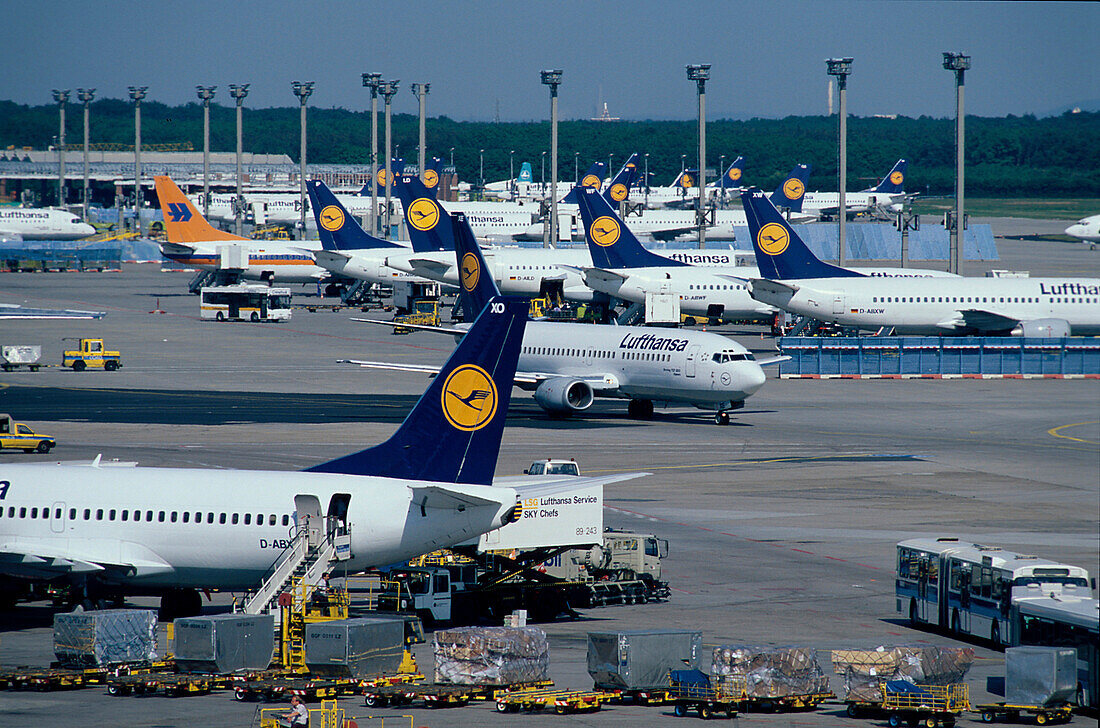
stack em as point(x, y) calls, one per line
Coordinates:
point(1087, 230)
point(887, 196)
point(42, 223)
point(796, 280)
point(566, 365)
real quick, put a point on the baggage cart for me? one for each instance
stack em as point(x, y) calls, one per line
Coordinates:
point(559, 701)
point(692, 690)
point(927, 705)
point(1009, 713)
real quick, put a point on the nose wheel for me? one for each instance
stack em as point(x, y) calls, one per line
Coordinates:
point(722, 418)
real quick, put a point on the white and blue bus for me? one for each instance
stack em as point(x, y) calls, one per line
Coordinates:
point(1062, 619)
point(967, 588)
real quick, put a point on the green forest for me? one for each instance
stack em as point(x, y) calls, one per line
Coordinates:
point(1006, 157)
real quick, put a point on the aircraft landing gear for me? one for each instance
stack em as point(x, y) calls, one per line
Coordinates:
point(721, 417)
point(640, 409)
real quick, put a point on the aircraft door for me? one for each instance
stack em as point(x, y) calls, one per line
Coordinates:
point(338, 506)
point(689, 364)
point(307, 514)
point(838, 304)
point(57, 519)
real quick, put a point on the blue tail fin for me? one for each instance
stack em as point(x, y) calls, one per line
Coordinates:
point(731, 178)
point(780, 253)
point(592, 179)
point(452, 435)
point(427, 222)
point(431, 173)
point(478, 286)
point(397, 166)
point(687, 179)
point(525, 174)
point(336, 227)
point(619, 189)
point(610, 242)
point(894, 182)
point(790, 193)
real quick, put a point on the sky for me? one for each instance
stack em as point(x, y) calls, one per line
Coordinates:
point(483, 59)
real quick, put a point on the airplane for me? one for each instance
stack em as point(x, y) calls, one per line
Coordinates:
point(507, 189)
point(566, 365)
point(887, 196)
point(794, 279)
point(193, 242)
point(1087, 230)
point(41, 223)
point(524, 187)
point(731, 178)
point(117, 530)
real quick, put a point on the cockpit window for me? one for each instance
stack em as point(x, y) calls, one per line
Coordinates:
point(724, 357)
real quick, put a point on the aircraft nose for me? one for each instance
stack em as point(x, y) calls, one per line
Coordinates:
point(754, 379)
point(85, 229)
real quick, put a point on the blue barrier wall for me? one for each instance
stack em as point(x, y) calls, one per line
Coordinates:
point(882, 241)
point(932, 355)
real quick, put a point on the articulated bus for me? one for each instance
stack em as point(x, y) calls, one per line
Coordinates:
point(1062, 620)
point(245, 302)
point(967, 587)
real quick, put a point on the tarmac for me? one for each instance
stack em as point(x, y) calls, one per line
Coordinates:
point(782, 526)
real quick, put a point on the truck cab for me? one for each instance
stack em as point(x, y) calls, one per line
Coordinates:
point(91, 354)
point(553, 467)
point(424, 592)
point(17, 436)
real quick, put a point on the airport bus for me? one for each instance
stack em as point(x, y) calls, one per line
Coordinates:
point(1062, 619)
point(967, 588)
point(245, 302)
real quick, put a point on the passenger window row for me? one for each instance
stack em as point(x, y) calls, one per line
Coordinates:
point(135, 515)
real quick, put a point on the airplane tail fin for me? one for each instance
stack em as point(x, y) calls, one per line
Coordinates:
point(792, 191)
point(525, 173)
point(397, 166)
point(894, 182)
point(478, 286)
point(336, 227)
point(183, 223)
point(430, 175)
point(620, 186)
point(452, 434)
point(610, 242)
point(687, 179)
point(731, 178)
point(592, 179)
point(780, 253)
point(427, 222)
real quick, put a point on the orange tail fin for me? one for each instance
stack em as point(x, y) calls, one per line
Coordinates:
point(184, 223)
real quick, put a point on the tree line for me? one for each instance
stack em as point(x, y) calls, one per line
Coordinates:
point(1014, 156)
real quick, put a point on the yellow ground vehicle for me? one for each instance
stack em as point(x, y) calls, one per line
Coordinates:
point(425, 312)
point(17, 436)
point(90, 354)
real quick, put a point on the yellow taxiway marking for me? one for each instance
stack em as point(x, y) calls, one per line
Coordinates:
point(727, 464)
point(1056, 432)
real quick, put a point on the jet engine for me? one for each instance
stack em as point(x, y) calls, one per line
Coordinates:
point(1047, 328)
point(561, 396)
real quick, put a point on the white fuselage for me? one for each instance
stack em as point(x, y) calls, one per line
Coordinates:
point(826, 202)
point(517, 271)
point(43, 223)
point(1087, 230)
point(135, 518)
point(937, 305)
point(260, 260)
point(668, 365)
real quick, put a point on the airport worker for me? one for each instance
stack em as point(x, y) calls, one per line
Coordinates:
point(298, 717)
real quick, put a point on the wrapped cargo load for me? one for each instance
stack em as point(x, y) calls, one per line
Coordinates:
point(641, 659)
point(863, 671)
point(771, 672)
point(224, 643)
point(1041, 676)
point(366, 647)
point(105, 637)
point(491, 655)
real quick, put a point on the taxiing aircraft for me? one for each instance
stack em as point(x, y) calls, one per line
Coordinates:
point(42, 223)
point(794, 279)
point(566, 365)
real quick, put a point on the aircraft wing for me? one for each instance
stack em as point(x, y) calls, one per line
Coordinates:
point(452, 497)
point(427, 264)
point(772, 360)
point(523, 380)
point(671, 233)
point(766, 285)
point(45, 559)
point(530, 486)
point(603, 275)
point(418, 327)
point(980, 320)
point(331, 257)
point(11, 236)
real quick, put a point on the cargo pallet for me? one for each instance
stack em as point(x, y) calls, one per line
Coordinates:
point(283, 688)
point(438, 695)
point(560, 701)
point(1008, 712)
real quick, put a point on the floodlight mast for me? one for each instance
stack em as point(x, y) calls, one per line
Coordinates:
point(86, 95)
point(841, 68)
point(420, 91)
point(303, 90)
point(373, 81)
point(552, 78)
point(388, 89)
point(62, 98)
point(700, 74)
point(958, 63)
point(206, 94)
point(137, 93)
point(239, 92)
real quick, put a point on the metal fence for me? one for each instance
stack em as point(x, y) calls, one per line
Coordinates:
point(882, 241)
point(879, 356)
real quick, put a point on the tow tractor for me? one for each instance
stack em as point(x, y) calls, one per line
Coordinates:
point(90, 354)
point(17, 436)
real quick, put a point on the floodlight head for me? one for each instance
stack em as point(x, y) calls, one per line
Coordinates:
point(239, 91)
point(388, 88)
point(206, 92)
point(419, 88)
point(85, 94)
point(61, 96)
point(551, 77)
point(302, 89)
point(956, 61)
point(137, 93)
point(838, 66)
point(698, 71)
point(371, 81)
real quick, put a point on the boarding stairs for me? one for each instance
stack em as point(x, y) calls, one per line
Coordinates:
point(632, 315)
point(310, 557)
point(361, 292)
